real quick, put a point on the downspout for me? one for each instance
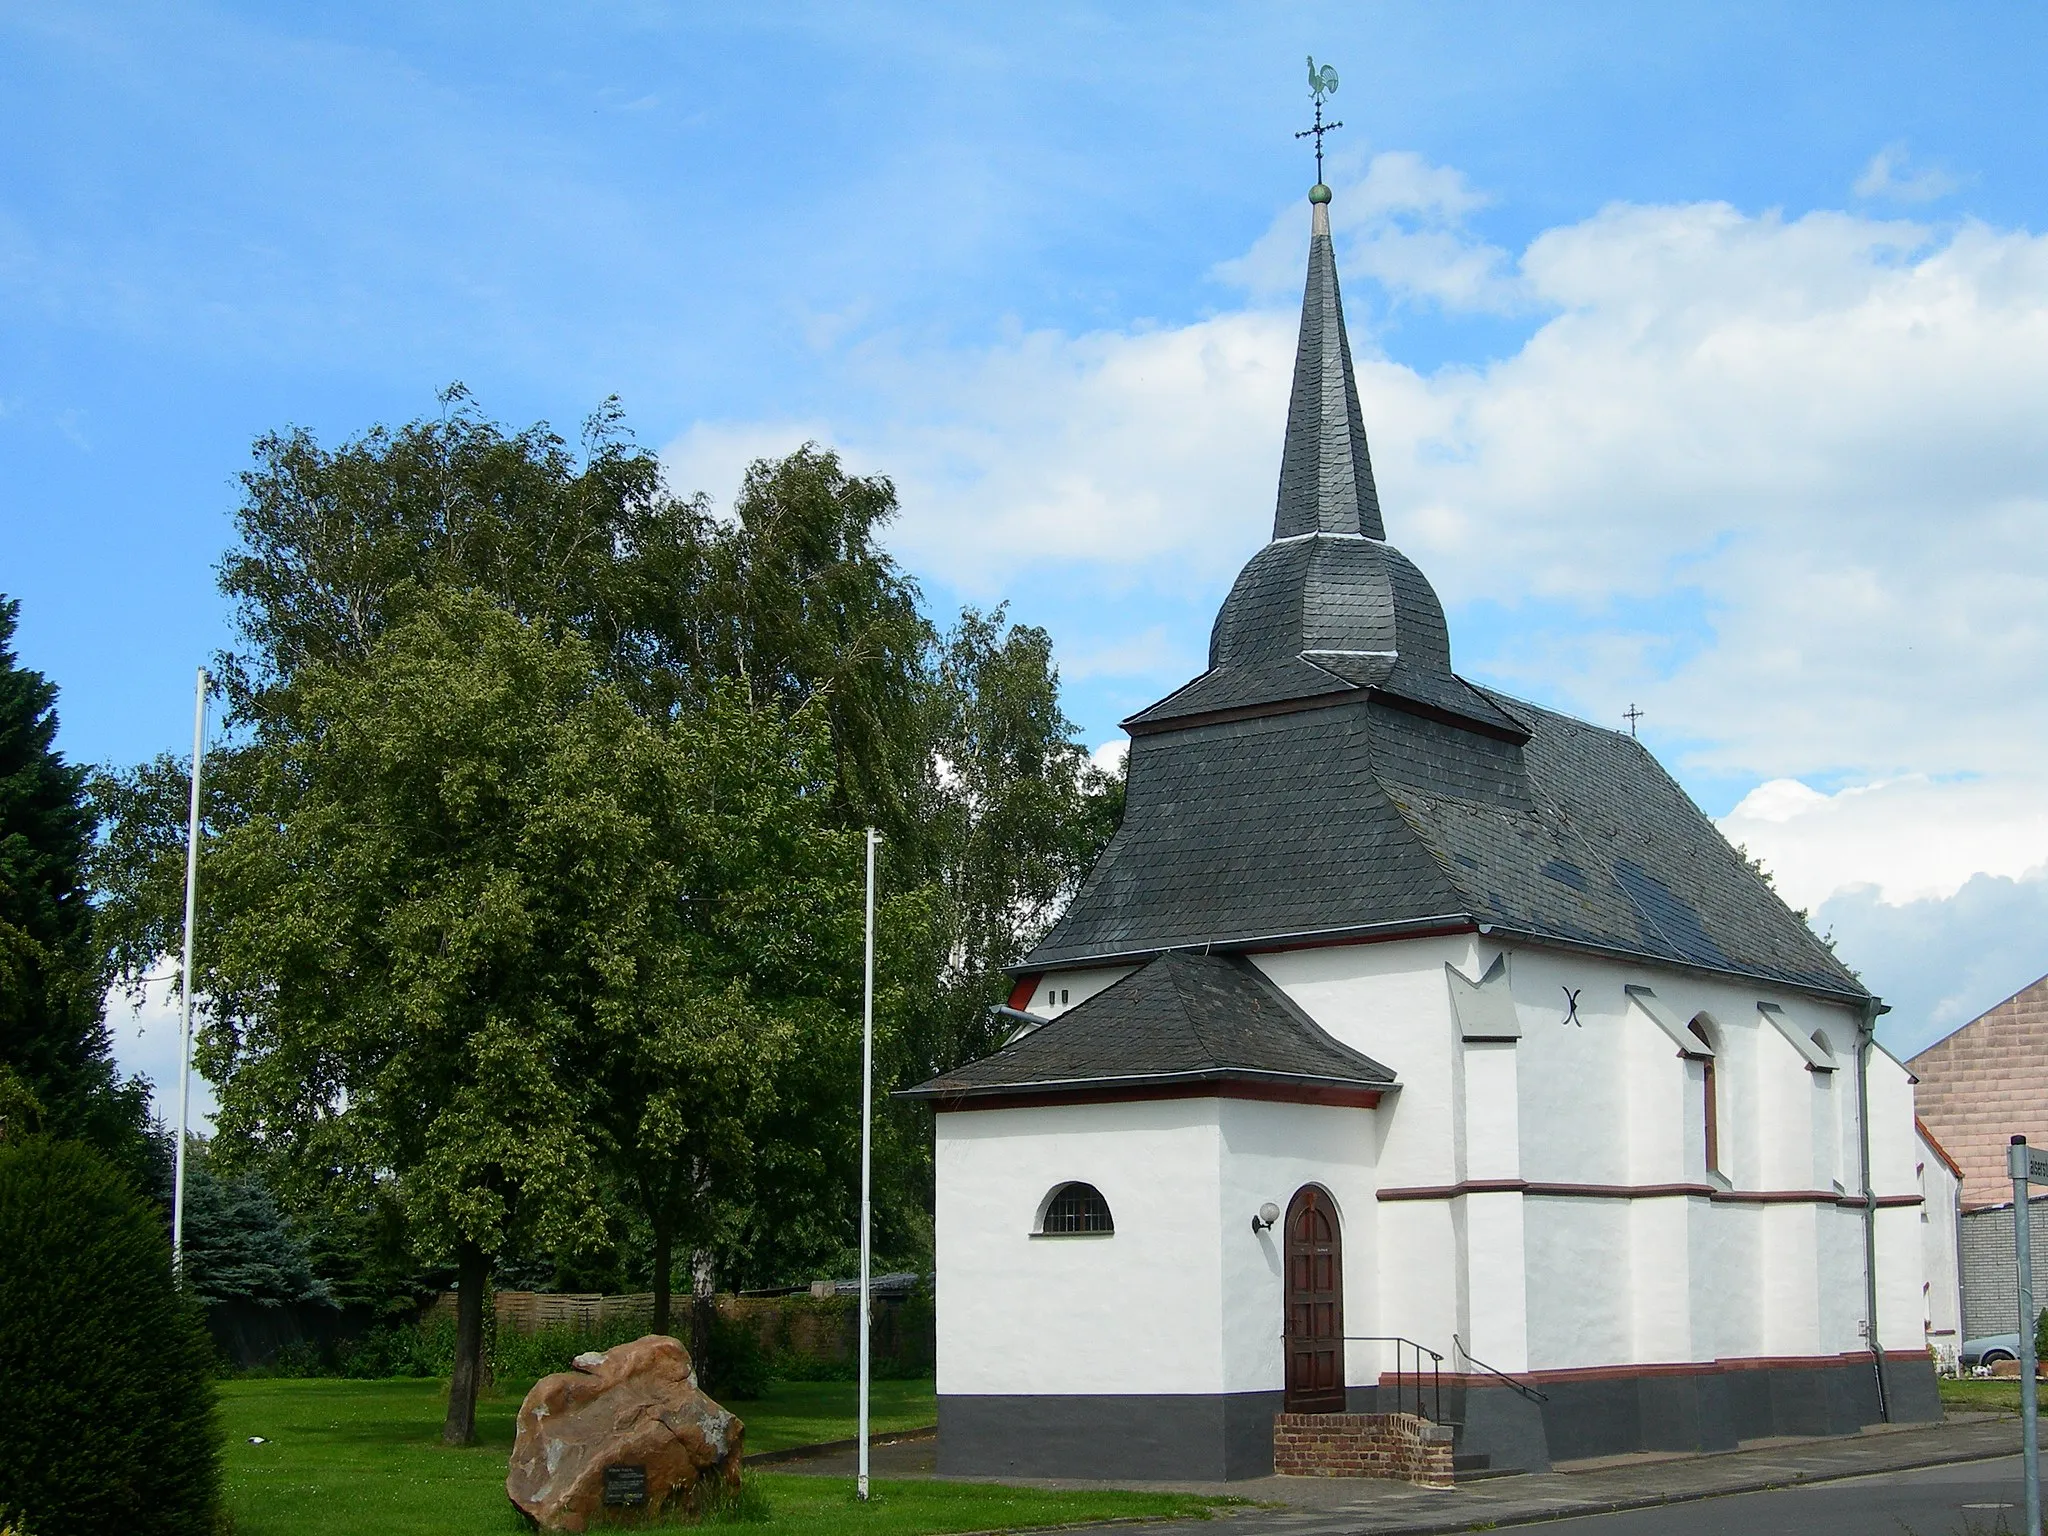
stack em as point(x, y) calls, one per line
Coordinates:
point(1865, 1032)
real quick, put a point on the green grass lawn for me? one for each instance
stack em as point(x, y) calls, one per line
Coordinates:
point(1970, 1392)
point(364, 1458)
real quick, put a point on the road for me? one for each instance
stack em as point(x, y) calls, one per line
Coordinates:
point(1977, 1498)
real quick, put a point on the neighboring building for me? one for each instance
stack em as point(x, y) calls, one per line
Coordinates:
point(1989, 1259)
point(1400, 1008)
point(1941, 1214)
point(1984, 1085)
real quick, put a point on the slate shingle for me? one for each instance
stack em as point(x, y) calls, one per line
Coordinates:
point(1181, 1018)
point(1361, 814)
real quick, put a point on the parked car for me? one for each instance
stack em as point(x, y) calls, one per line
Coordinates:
point(1989, 1350)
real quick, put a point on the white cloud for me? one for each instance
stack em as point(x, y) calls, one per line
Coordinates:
point(1904, 840)
point(712, 456)
point(145, 1038)
point(1404, 224)
point(1149, 653)
point(1105, 452)
point(1940, 964)
point(1111, 756)
point(1887, 175)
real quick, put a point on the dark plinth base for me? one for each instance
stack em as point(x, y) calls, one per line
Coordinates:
point(1136, 1438)
point(1587, 1413)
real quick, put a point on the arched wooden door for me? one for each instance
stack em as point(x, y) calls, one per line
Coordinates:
point(1315, 1304)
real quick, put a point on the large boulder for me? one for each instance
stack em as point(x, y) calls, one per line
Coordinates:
point(634, 1406)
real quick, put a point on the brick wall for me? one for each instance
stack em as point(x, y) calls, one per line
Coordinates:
point(1991, 1267)
point(1391, 1445)
point(1985, 1084)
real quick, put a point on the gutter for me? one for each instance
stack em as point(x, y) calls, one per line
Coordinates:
point(1438, 926)
point(1151, 1080)
point(1865, 1038)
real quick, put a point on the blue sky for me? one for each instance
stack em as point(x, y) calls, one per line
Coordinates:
point(1697, 342)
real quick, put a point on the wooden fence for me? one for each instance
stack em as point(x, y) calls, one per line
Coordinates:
point(530, 1311)
point(823, 1327)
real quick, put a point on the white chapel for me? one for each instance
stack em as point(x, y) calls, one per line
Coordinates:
point(1413, 1045)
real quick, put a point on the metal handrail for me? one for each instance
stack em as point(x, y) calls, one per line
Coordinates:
point(1528, 1389)
point(1435, 1371)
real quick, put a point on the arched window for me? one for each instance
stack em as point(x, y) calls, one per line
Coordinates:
point(1075, 1209)
point(1711, 1097)
point(1823, 1044)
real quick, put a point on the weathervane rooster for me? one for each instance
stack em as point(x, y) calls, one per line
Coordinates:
point(1322, 83)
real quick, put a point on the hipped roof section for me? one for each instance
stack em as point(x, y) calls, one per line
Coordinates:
point(1181, 1019)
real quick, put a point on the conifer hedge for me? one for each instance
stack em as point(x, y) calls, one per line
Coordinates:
point(105, 1367)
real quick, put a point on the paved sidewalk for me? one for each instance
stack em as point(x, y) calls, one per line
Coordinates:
point(1619, 1483)
point(1319, 1506)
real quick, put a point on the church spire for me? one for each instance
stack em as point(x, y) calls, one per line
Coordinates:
point(1325, 474)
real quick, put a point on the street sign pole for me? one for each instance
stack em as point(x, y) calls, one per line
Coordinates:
point(2027, 1166)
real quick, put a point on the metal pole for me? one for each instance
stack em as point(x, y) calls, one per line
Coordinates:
point(867, 1095)
point(185, 979)
point(2023, 1244)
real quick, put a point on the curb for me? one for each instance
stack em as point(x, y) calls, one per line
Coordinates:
point(830, 1447)
point(1502, 1519)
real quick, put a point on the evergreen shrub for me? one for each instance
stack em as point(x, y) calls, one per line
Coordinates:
point(105, 1367)
point(737, 1366)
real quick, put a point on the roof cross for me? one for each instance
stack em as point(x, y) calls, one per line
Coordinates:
point(1631, 715)
point(1321, 83)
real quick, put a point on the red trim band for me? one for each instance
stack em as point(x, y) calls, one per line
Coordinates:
point(1639, 1192)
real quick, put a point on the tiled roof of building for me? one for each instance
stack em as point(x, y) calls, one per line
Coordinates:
point(1985, 1084)
point(1181, 1018)
point(1363, 815)
point(1326, 480)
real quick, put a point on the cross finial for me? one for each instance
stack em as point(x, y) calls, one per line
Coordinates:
point(1631, 715)
point(1321, 83)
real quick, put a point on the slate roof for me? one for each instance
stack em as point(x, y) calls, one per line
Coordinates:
point(1326, 479)
point(1365, 816)
point(1181, 1018)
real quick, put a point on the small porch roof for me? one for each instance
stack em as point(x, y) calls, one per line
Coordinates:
point(1178, 1022)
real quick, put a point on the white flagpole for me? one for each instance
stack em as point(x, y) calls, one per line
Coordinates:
point(867, 1095)
point(185, 982)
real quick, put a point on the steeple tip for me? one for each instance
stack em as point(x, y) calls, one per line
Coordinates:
point(1325, 472)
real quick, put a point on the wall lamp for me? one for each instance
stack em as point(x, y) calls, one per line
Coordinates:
point(1269, 1213)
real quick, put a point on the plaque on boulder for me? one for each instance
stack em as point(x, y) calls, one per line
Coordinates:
point(625, 1487)
point(626, 1429)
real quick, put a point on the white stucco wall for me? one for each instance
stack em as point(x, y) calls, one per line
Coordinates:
point(1269, 1151)
point(1139, 1311)
point(1185, 1298)
point(1941, 1303)
point(1054, 994)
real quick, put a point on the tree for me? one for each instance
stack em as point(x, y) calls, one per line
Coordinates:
point(53, 1039)
point(238, 1246)
point(1021, 816)
point(418, 923)
point(802, 605)
point(786, 626)
point(745, 949)
point(104, 1365)
point(336, 547)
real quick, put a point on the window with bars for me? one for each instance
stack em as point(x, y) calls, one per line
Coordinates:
point(1077, 1208)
